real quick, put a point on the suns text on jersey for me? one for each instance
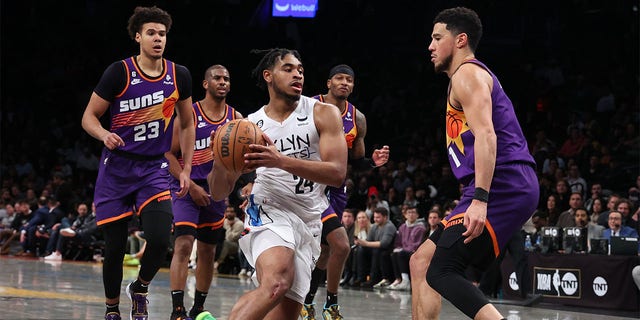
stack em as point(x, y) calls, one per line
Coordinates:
point(142, 102)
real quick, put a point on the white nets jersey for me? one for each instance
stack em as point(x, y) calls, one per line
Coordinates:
point(296, 137)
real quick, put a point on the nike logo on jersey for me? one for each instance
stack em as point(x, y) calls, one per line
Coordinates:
point(135, 81)
point(163, 165)
point(302, 119)
point(202, 125)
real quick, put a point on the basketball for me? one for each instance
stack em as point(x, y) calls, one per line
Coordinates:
point(232, 141)
point(454, 125)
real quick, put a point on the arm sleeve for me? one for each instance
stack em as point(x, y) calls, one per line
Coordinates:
point(112, 82)
point(362, 164)
point(184, 81)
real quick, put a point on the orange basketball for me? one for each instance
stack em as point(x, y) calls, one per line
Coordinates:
point(232, 141)
point(454, 125)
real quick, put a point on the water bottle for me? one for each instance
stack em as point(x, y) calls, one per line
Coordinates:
point(527, 243)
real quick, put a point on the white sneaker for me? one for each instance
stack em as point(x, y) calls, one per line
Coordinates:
point(249, 273)
point(242, 273)
point(403, 286)
point(393, 285)
point(383, 283)
point(67, 232)
point(53, 257)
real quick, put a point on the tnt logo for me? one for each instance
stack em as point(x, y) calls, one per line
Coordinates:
point(600, 286)
point(559, 283)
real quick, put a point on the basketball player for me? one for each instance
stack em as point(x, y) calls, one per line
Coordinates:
point(305, 151)
point(141, 93)
point(334, 243)
point(196, 216)
point(489, 156)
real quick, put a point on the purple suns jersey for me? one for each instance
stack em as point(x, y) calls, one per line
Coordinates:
point(142, 114)
point(511, 144)
point(337, 196)
point(202, 157)
point(348, 121)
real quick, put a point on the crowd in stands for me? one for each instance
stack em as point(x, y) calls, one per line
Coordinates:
point(578, 107)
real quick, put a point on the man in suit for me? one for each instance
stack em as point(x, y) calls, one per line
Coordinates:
point(616, 229)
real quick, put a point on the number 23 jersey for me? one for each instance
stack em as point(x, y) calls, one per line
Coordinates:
point(142, 107)
point(296, 137)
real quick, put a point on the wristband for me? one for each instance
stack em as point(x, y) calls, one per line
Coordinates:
point(481, 195)
point(363, 163)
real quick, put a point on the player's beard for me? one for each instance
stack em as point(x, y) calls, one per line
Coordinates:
point(444, 66)
point(288, 96)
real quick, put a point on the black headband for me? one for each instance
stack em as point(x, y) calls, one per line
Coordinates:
point(341, 68)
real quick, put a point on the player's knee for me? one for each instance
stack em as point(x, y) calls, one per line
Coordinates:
point(340, 248)
point(277, 285)
point(418, 265)
point(182, 247)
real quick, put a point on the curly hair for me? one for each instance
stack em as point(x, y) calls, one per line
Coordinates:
point(142, 15)
point(462, 20)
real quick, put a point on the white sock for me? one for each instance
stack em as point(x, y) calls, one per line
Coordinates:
point(405, 277)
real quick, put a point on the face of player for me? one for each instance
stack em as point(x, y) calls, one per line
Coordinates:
point(341, 85)
point(581, 218)
point(152, 39)
point(218, 83)
point(286, 78)
point(441, 47)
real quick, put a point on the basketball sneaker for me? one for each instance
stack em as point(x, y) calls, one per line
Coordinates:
point(205, 315)
point(138, 304)
point(308, 312)
point(332, 313)
point(179, 314)
point(112, 316)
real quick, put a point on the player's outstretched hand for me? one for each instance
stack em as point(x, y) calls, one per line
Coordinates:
point(380, 156)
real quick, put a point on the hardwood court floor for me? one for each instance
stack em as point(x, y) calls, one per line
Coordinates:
point(34, 289)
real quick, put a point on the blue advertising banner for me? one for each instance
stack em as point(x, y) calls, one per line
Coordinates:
point(295, 8)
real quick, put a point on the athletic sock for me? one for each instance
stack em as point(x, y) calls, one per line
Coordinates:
point(332, 298)
point(113, 308)
point(198, 300)
point(177, 298)
point(139, 287)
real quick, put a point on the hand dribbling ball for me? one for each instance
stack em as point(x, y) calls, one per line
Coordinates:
point(232, 141)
